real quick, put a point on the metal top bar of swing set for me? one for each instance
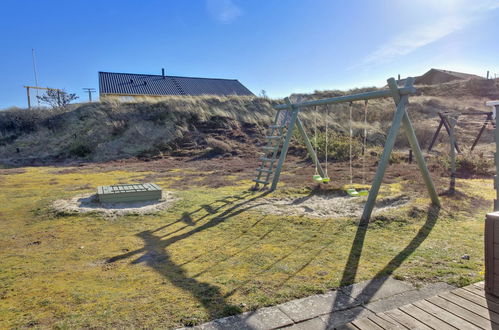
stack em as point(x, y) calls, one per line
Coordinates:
point(350, 98)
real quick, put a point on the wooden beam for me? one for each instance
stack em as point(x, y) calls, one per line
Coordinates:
point(489, 118)
point(310, 149)
point(435, 136)
point(44, 88)
point(443, 122)
point(284, 150)
point(29, 100)
point(452, 124)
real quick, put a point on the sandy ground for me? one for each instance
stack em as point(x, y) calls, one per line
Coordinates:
point(331, 205)
point(86, 203)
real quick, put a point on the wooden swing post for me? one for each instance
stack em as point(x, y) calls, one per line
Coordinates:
point(400, 118)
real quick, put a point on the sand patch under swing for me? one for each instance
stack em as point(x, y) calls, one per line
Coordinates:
point(335, 205)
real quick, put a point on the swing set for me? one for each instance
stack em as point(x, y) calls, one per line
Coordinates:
point(287, 119)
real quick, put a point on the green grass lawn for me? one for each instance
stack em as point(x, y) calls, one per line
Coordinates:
point(209, 255)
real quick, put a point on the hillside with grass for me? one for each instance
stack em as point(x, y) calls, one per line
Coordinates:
point(212, 125)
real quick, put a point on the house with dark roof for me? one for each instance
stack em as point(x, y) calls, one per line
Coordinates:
point(438, 76)
point(130, 86)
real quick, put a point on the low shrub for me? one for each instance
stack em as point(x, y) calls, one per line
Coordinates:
point(474, 164)
point(218, 146)
point(338, 145)
point(80, 150)
point(467, 164)
point(396, 157)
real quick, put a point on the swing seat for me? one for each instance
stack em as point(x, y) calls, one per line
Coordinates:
point(352, 192)
point(326, 180)
point(317, 178)
point(363, 192)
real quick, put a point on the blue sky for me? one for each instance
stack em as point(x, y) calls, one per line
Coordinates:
point(281, 46)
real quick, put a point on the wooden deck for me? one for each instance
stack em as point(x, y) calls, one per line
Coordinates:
point(464, 308)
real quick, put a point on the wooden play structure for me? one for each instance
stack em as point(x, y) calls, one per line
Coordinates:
point(287, 119)
point(444, 122)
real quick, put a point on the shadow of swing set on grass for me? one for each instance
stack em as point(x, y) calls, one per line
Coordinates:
point(154, 252)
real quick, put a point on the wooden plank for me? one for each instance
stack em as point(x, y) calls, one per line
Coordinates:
point(391, 320)
point(474, 289)
point(472, 307)
point(480, 292)
point(386, 324)
point(494, 266)
point(425, 317)
point(348, 326)
point(491, 228)
point(444, 315)
point(127, 199)
point(482, 301)
point(155, 186)
point(479, 284)
point(366, 324)
point(461, 312)
point(496, 249)
point(406, 320)
point(121, 195)
point(136, 193)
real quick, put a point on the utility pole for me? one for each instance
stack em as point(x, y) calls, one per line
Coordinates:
point(89, 91)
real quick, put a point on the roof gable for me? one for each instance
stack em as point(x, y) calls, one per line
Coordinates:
point(438, 76)
point(143, 84)
point(460, 75)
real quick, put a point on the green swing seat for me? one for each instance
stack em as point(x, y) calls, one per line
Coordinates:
point(352, 192)
point(363, 192)
point(355, 193)
point(317, 178)
point(320, 179)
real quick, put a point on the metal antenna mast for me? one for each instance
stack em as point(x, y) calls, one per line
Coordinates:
point(36, 75)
